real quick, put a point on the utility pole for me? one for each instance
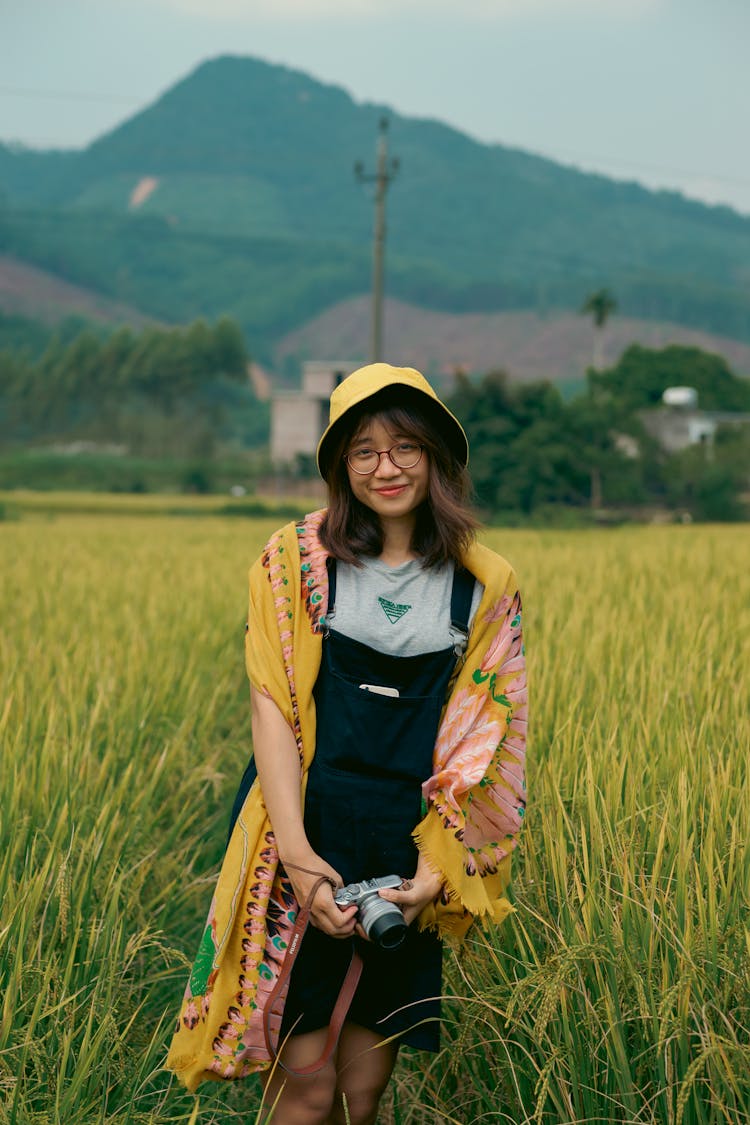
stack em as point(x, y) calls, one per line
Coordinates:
point(386, 171)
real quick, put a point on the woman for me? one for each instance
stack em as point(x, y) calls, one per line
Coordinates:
point(389, 716)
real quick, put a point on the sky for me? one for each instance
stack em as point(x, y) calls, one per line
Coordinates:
point(656, 91)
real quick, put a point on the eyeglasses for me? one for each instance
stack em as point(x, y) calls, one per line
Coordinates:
point(404, 455)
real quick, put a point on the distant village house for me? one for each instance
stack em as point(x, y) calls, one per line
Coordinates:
point(298, 418)
point(680, 422)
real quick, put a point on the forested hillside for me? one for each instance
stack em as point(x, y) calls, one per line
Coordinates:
point(234, 193)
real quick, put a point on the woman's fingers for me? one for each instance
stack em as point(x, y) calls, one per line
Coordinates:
point(324, 913)
point(413, 894)
point(330, 918)
point(403, 896)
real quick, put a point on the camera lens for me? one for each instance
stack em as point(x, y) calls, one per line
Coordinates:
point(388, 931)
point(382, 921)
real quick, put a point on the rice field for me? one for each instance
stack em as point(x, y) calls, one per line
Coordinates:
point(620, 989)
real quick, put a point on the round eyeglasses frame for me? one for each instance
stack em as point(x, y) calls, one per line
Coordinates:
point(387, 453)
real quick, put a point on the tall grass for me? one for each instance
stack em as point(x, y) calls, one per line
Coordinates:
point(125, 727)
point(619, 991)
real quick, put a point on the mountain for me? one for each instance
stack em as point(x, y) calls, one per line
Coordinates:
point(235, 192)
point(31, 293)
point(523, 343)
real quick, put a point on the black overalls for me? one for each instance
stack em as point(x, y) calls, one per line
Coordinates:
point(363, 800)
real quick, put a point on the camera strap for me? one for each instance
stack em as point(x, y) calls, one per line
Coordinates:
point(345, 997)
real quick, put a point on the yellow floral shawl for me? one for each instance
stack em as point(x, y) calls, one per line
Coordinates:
point(474, 799)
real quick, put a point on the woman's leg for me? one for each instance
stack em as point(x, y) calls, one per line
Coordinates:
point(364, 1064)
point(300, 1101)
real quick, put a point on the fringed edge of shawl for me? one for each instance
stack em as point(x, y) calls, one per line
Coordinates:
point(469, 897)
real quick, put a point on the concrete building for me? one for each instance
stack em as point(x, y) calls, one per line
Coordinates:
point(298, 418)
point(680, 422)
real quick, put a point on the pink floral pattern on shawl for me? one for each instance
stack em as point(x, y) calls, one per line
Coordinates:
point(313, 570)
point(479, 784)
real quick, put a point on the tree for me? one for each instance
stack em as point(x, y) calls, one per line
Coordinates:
point(136, 388)
point(592, 429)
point(712, 490)
point(530, 450)
point(522, 455)
point(641, 375)
point(229, 353)
point(599, 305)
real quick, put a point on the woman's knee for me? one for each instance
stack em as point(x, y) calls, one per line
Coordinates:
point(365, 1062)
point(290, 1100)
point(361, 1100)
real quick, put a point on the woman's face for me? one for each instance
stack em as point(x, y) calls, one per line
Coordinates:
point(391, 492)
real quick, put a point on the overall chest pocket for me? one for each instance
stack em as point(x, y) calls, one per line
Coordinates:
point(382, 735)
point(368, 733)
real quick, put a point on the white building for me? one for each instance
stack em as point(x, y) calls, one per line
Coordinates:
point(680, 422)
point(298, 418)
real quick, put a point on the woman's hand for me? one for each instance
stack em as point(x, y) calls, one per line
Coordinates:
point(415, 893)
point(324, 913)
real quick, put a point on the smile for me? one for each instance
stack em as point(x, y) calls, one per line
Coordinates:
point(395, 490)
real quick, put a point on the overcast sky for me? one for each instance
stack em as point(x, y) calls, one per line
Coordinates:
point(653, 90)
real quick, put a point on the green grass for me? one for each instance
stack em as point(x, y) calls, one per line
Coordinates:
point(620, 989)
point(23, 502)
point(49, 471)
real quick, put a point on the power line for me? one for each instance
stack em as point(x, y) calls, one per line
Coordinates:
point(561, 153)
point(67, 95)
point(571, 154)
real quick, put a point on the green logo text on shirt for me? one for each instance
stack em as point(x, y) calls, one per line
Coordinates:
point(393, 611)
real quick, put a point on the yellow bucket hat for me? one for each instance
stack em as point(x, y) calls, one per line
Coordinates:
point(369, 381)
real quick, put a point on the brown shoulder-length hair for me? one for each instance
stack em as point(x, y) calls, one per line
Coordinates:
point(445, 524)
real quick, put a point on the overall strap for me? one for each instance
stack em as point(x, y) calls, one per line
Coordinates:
point(331, 607)
point(461, 595)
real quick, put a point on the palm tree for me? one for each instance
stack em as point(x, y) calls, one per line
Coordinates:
point(599, 305)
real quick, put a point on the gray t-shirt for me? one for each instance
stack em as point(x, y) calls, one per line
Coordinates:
point(399, 610)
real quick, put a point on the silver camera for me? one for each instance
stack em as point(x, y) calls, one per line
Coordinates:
point(382, 921)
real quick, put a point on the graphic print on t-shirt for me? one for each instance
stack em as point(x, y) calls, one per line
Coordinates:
point(393, 611)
